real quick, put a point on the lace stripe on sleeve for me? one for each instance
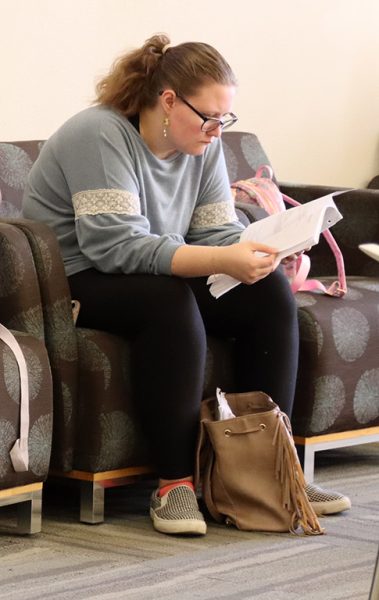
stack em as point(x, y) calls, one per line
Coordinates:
point(108, 201)
point(212, 215)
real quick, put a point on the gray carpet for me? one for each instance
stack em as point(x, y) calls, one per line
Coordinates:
point(125, 558)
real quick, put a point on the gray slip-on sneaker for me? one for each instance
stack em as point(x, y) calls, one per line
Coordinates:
point(177, 512)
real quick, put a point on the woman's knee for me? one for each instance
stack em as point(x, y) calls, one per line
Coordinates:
point(175, 304)
point(173, 297)
point(271, 296)
point(285, 293)
point(278, 293)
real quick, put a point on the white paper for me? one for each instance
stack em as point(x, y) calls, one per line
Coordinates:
point(291, 231)
point(371, 250)
point(224, 410)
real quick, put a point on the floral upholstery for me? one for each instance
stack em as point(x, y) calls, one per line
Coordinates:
point(338, 381)
point(60, 336)
point(20, 310)
point(94, 429)
point(104, 410)
point(41, 418)
point(16, 160)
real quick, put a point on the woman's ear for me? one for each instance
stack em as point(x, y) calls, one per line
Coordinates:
point(167, 99)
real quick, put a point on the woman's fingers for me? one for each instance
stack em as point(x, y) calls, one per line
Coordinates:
point(258, 247)
point(246, 261)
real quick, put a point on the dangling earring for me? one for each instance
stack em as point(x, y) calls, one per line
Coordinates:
point(166, 123)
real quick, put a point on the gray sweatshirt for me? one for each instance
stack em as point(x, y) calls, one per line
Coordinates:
point(117, 207)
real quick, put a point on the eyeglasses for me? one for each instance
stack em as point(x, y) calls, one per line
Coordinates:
point(211, 123)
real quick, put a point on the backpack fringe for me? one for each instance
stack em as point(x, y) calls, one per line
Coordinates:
point(288, 470)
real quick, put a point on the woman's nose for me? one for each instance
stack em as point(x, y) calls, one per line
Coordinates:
point(216, 132)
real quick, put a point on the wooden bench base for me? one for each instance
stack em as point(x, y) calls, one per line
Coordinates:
point(92, 486)
point(29, 506)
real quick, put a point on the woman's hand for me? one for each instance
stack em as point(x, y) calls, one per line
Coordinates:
point(293, 257)
point(290, 259)
point(246, 261)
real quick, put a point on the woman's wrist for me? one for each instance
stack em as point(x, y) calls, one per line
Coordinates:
point(217, 259)
point(214, 261)
point(197, 261)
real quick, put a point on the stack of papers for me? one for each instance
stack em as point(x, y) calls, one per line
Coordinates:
point(291, 231)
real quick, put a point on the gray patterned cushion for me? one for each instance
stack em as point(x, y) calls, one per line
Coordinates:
point(20, 310)
point(40, 407)
point(60, 336)
point(338, 382)
point(94, 428)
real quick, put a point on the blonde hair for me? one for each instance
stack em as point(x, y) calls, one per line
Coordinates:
point(136, 78)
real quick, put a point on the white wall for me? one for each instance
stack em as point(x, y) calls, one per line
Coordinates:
point(308, 70)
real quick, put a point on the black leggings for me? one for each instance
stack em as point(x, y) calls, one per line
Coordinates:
point(166, 320)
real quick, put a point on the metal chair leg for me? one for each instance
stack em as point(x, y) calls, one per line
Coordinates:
point(374, 592)
point(29, 514)
point(306, 456)
point(309, 464)
point(91, 502)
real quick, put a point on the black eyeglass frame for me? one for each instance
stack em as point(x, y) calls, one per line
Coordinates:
point(217, 122)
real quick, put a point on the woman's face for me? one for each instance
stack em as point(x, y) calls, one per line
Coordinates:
point(184, 133)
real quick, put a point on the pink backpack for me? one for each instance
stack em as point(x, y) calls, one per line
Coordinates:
point(262, 191)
